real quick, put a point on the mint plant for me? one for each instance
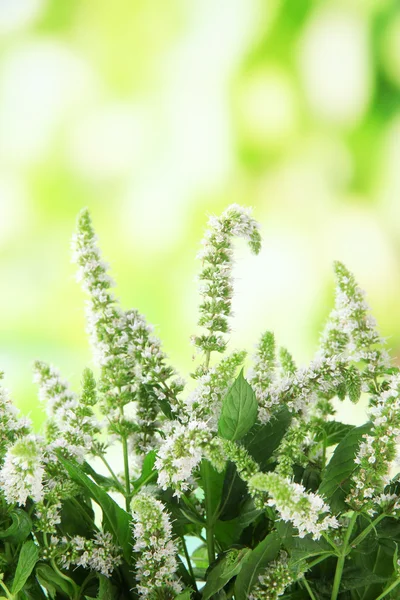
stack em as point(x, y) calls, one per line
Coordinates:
point(240, 484)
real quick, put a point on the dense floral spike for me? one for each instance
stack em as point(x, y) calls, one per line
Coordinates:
point(183, 451)
point(99, 554)
point(351, 330)
point(21, 475)
point(133, 367)
point(72, 426)
point(378, 449)
point(11, 425)
point(307, 511)
point(156, 563)
point(273, 581)
point(264, 361)
point(216, 276)
point(204, 403)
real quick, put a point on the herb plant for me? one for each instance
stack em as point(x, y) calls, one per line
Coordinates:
point(240, 485)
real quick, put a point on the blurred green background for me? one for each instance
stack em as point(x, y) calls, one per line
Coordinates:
point(155, 113)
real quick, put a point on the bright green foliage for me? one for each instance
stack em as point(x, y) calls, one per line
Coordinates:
point(239, 463)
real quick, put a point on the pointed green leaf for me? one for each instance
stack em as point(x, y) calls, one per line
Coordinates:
point(257, 561)
point(239, 410)
point(28, 558)
point(336, 480)
point(116, 520)
point(223, 572)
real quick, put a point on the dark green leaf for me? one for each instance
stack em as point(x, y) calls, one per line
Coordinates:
point(106, 589)
point(358, 577)
point(27, 559)
point(265, 552)
point(20, 528)
point(335, 484)
point(183, 595)
point(262, 441)
point(52, 581)
point(148, 471)
point(332, 432)
point(116, 520)
point(229, 566)
point(239, 410)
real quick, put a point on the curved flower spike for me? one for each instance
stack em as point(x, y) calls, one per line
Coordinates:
point(216, 276)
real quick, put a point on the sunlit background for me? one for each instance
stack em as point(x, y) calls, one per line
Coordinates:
point(156, 113)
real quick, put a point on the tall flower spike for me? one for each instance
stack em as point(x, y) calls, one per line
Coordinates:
point(378, 448)
point(204, 403)
point(133, 367)
point(307, 511)
point(72, 425)
point(156, 564)
point(11, 426)
point(264, 364)
point(22, 472)
point(351, 330)
point(216, 276)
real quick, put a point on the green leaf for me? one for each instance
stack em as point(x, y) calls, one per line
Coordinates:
point(228, 567)
point(336, 480)
point(28, 558)
point(148, 472)
point(239, 410)
point(358, 577)
point(262, 441)
point(183, 595)
point(52, 581)
point(19, 529)
point(332, 432)
point(115, 519)
point(106, 589)
point(200, 557)
point(265, 552)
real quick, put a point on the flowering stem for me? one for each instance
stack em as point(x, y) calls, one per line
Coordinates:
point(389, 589)
point(113, 475)
point(342, 557)
point(126, 467)
point(309, 590)
point(189, 562)
point(205, 470)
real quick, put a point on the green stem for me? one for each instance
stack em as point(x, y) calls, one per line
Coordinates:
point(207, 361)
point(189, 562)
point(366, 531)
point(389, 589)
point(6, 590)
point(66, 578)
point(113, 475)
point(126, 466)
point(342, 557)
point(205, 469)
point(309, 590)
point(127, 476)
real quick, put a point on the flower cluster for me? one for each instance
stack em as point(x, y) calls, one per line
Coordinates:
point(273, 581)
point(99, 554)
point(72, 425)
point(133, 367)
point(307, 511)
point(21, 475)
point(378, 448)
point(156, 563)
point(264, 365)
point(204, 403)
point(351, 330)
point(183, 451)
point(216, 276)
point(11, 425)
